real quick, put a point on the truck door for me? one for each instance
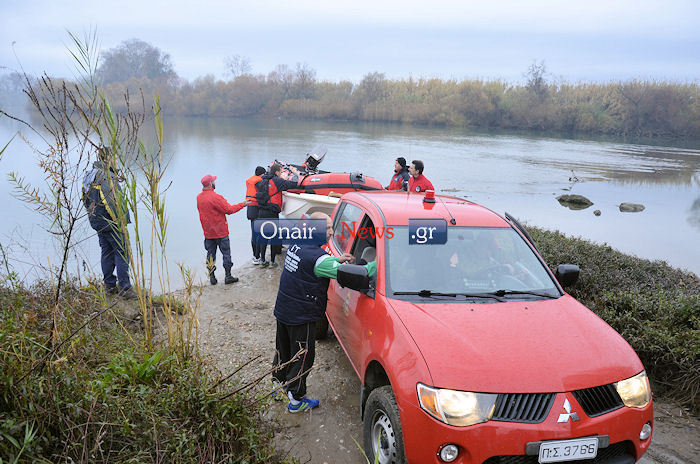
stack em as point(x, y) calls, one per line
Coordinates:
point(345, 223)
point(358, 307)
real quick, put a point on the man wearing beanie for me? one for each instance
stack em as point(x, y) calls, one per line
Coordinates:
point(399, 180)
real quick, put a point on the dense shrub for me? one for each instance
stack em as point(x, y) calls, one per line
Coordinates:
point(633, 108)
point(104, 398)
point(654, 306)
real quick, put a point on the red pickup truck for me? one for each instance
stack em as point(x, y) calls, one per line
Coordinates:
point(469, 350)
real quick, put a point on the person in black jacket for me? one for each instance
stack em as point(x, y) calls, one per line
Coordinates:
point(399, 181)
point(252, 209)
point(100, 197)
point(301, 302)
point(269, 198)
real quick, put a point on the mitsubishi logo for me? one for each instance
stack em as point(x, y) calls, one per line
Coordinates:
point(569, 415)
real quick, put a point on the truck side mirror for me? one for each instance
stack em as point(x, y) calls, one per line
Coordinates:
point(567, 274)
point(353, 276)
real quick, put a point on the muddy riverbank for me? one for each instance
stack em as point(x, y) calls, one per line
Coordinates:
point(237, 325)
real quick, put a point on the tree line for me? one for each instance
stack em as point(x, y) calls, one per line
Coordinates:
point(625, 108)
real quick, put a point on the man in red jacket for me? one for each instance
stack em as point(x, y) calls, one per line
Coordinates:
point(418, 182)
point(213, 209)
point(399, 181)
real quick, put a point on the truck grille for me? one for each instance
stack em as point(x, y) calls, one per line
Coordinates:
point(604, 454)
point(522, 407)
point(598, 400)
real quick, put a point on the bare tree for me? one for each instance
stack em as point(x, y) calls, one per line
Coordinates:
point(283, 77)
point(536, 78)
point(304, 81)
point(237, 65)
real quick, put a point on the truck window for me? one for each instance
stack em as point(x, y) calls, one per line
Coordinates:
point(364, 246)
point(347, 220)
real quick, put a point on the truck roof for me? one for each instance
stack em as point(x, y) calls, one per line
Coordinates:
point(398, 207)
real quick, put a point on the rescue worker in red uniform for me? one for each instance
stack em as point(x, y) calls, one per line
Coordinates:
point(418, 182)
point(269, 197)
point(399, 181)
point(252, 209)
point(213, 209)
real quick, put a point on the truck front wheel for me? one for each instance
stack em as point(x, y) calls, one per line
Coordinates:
point(382, 428)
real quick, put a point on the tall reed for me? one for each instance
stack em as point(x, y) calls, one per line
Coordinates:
point(78, 125)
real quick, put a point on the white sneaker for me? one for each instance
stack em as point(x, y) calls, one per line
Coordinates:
point(257, 261)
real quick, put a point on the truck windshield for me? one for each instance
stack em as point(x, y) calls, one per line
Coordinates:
point(475, 262)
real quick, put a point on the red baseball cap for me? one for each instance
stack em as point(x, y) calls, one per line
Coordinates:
point(206, 180)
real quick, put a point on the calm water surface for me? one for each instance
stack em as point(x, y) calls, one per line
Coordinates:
point(515, 173)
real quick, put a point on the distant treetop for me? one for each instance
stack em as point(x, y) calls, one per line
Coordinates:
point(134, 58)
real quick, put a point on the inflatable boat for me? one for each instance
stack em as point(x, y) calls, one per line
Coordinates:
point(320, 190)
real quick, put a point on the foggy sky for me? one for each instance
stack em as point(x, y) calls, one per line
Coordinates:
point(579, 41)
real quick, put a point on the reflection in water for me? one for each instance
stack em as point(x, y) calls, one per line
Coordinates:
point(631, 207)
point(694, 216)
point(505, 172)
point(632, 164)
point(574, 202)
point(685, 176)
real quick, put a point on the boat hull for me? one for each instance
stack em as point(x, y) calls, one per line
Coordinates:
point(296, 205)
point(324, 183)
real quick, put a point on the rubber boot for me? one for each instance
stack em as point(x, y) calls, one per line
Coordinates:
point(229, 279)
point(212, 277)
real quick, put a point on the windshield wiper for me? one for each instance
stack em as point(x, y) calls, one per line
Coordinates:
point(430, 293)
point(426, 293)
point(524, 292)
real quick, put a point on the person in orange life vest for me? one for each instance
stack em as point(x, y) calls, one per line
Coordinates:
point(399, 180)
point(269, 197)
point(418, 182)
point(252, 209)
point(213, 209)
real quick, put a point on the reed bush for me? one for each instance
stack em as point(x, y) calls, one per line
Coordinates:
point(625, 108)
point(654, 306)
point(106, 397)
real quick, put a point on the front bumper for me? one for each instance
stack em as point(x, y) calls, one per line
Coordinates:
point(424, 436)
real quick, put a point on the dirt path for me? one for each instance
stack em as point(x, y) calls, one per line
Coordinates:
point(236, 325)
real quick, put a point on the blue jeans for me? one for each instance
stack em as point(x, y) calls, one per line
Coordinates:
point(114, 256)
point(210, 244)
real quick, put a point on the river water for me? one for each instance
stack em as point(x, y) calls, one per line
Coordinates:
point(520, 174)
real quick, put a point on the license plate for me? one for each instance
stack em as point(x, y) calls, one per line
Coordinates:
point(568, 450)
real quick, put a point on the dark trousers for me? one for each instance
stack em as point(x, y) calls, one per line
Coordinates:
point(114, 256)
point(224, 245)
point(275, 249)
point(256, 250)
point(288, 341)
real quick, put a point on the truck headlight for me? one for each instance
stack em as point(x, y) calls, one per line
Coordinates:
point(635, 391)
point(453, 407)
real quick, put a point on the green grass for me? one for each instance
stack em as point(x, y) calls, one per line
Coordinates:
point(654, 306)
point(103, 397)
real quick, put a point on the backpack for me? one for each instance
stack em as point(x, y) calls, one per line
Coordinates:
point(262, 194)
point(90, 189)
point(262, 191)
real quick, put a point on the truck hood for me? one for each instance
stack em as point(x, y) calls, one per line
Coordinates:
point(524, 347)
